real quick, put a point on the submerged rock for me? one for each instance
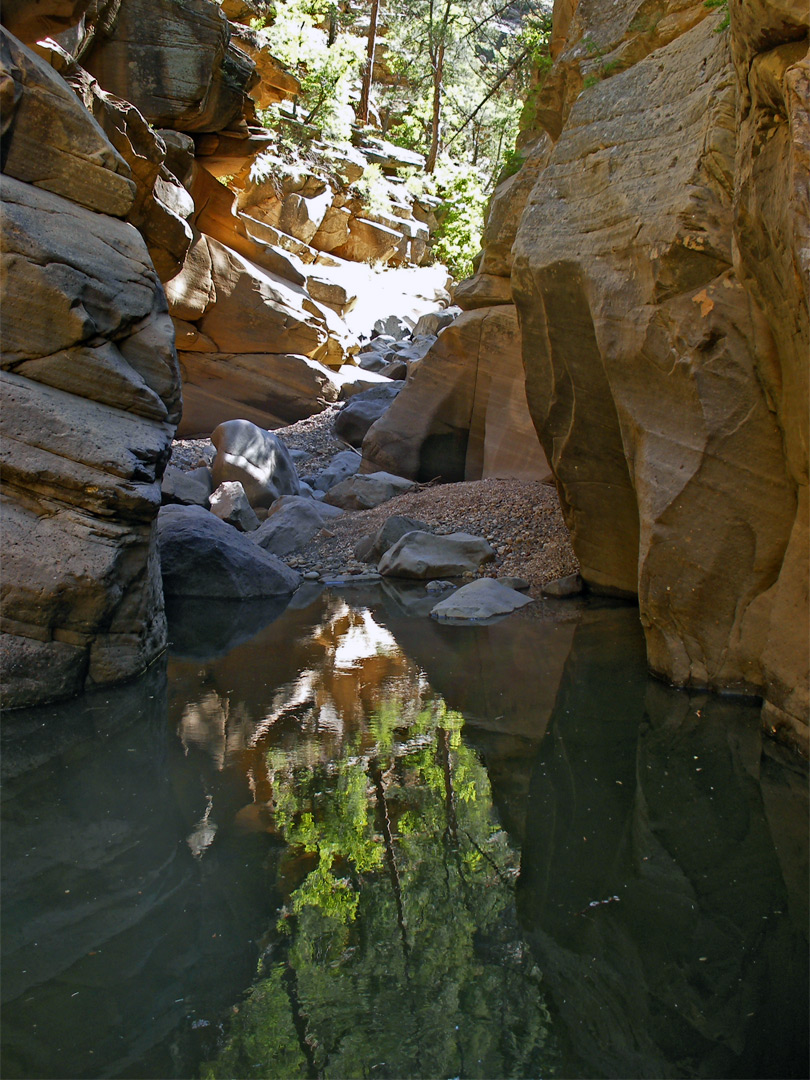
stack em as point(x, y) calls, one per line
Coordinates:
point(481, 599)
point(564, 586)
point(202, 556)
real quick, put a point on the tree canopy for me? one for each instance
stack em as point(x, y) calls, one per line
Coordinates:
point(444, 78)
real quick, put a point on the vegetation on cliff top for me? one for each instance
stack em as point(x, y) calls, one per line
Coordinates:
point(442, 78)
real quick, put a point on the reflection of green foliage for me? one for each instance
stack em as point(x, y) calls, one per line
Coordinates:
point(263, 1040)
point(402, 950)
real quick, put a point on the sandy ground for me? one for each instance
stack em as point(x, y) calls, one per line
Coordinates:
point(521, 519)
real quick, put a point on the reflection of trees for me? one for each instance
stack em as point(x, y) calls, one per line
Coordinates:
point(402, 953)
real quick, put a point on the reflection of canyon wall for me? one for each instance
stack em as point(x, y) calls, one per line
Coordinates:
point(661, 277)
point(661, 880)
point(106, 913)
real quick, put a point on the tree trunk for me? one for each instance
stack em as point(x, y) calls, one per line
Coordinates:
point(435, 127)
point(368, 72)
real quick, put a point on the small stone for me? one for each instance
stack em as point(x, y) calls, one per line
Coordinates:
point(519, 583)
point(438, 586)
point(563, 587)
point(312, 575)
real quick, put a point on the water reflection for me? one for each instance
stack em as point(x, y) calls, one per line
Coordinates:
point(651, 884)
point(422, 850)
point(397, 952)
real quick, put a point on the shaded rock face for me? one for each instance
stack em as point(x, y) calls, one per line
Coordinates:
point(661, 279)
point(463, 413)
point(186, 74)
point(91, 399)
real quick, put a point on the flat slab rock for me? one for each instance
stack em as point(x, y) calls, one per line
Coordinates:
point(364, 491)
point(422, 555)
point(481, 599)
point(200, 555)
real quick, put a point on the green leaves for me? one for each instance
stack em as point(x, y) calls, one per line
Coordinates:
point(721, 5)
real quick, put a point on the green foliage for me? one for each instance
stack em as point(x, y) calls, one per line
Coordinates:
point(328, 72)
point(721, 5)
point(457, 240)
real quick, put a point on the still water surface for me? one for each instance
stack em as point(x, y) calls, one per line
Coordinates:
point(346, 841)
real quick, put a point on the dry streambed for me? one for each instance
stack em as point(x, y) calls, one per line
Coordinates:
point(521, 519)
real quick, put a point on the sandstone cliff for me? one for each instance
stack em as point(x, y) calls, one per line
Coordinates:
point(91, 396)
point(661, 276)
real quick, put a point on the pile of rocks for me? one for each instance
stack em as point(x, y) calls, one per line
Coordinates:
point(243, 492)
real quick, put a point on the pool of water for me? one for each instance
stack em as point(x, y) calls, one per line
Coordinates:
point(341, 840)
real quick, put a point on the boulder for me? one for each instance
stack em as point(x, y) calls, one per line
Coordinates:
point(362, 492)
point(423, 555)
point(202, 556)
point(432, 324)
point(342, 465)
point(292, 522)
point(372, 548)
point(481, 599)
point(192, 488)
point(174, 60)
point(396, 370)
point(463, 413)
point(356, 380)
point(258, 459)
point(415, 348)
point(230, 504)
point(362, 410)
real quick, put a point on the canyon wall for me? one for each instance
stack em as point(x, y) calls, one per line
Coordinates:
point(91, 388)
point(661, 273)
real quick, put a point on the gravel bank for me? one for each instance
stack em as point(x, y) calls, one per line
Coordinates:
point(521, 519)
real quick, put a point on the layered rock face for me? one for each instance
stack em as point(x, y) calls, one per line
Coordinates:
point(661, 277)
point(91, 398)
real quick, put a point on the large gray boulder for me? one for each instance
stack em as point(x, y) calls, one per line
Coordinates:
point(258, 459)
point(367, 490)
point(423, 555)
point(364, 409)
point(485, 598)
point(202, 556)
point(372, 548)
point(342, 466)
point(292, 522)
point(191, 488)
